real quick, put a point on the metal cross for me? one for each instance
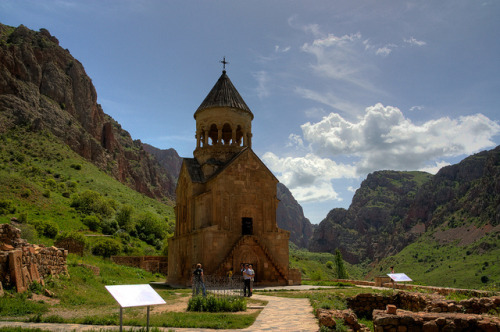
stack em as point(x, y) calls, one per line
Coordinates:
point(224, 63)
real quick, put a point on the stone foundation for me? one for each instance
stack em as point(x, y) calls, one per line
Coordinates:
point(364, 304)
point(154, 264)
point(404, 321)
point(22, 263)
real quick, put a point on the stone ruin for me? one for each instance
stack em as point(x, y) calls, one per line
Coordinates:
point(405, 311)
point(22, 263)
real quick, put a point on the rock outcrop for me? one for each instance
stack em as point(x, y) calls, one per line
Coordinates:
point(43, 88)
point(290, 217)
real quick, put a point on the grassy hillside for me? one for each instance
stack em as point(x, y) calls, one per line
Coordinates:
point(43, 181)
point(427, 262)
point(319, 265)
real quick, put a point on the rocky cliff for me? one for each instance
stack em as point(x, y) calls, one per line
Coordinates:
point(43, 88)
point(392, 209)
point(290, 217)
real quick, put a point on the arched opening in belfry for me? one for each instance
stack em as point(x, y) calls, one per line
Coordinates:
point(213, 134)
point(246, 226)
point(239, 136)
point(227, 134)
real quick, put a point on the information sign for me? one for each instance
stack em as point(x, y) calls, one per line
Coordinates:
point(400, 277)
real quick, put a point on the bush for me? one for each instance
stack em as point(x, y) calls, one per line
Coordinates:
point(106, 247)
point(109, 227)
point(6, 207)
point(92, 222)
point(73, 241)
point(90, 202)
point(217, 304)
point(150, 228)
point(46, 228)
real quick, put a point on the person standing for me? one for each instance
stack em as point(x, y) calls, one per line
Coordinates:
point(198, 280)
point(252, 273)
point(247, 277)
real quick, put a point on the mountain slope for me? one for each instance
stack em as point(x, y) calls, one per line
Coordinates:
point(429, 226)
point(372, 227)
point(42, 87)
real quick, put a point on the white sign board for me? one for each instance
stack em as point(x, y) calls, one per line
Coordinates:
point(399, 277)
point(135, 295)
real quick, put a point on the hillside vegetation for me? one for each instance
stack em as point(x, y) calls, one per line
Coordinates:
point(43, 182)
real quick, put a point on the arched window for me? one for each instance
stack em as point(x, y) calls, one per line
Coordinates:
point(227, 134)
point(239, 135)
point(213, 134)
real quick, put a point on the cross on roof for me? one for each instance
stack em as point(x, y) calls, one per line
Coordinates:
point(224, 63)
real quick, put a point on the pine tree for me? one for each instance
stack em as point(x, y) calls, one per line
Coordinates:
point(339, 266)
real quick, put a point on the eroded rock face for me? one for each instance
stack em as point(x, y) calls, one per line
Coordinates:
point(43, 87)
point(290, 217)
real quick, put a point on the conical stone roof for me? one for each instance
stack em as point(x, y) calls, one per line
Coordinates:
point(224, 94)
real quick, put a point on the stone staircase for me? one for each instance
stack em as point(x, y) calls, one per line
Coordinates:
point(221, 269)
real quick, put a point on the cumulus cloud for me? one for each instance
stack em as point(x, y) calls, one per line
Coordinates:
point(384, 139)
point(309, 177)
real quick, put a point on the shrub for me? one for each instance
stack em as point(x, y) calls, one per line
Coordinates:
point(329, 264)
point(109, 227)
point(25, 193)
point(92, 222)
point(90, 202)
point(124, 217)
point(217, 304)
point(73, 241)
point(6, 207)
point(106, 247)
point(46, 228)
point(150, 227)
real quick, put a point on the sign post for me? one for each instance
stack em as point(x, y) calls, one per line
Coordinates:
point(134, 296)
point(401, 277)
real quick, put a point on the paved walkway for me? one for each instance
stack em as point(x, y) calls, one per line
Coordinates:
point(280, 314)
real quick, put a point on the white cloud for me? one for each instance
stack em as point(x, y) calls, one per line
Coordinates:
point(412, 41)
point(383, 51)
point(385, 139)
point(328, 99)
point(262, 78)
point(279, 49)
point(417, 108)
point(433, 169)
point(351, 189)
point(309, 177)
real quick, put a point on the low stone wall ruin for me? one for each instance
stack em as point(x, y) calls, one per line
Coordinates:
point(154, 264)
point(433, 322)
point(364, 304)
point(22, 263)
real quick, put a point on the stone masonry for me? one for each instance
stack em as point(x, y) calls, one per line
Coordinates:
point(22, 263)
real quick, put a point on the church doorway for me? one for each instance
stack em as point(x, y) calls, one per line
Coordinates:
point(246, 226)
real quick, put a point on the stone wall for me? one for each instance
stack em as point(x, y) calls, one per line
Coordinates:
point(154, 264)
point(364, 304)
point(22, 263)
point(439, 290)
point(403, 321)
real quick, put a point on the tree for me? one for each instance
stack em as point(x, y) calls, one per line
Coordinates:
point(339, 266)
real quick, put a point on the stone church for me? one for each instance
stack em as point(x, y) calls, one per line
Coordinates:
point(226, 199)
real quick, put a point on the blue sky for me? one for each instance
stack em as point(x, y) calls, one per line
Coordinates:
point(339, 89)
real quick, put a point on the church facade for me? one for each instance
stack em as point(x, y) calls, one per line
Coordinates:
point(226, 199)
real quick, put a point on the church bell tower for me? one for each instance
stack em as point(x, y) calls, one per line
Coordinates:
point(223, 126)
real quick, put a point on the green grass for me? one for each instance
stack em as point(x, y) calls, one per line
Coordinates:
point(429, 263)
point(84, 292)
point(314, 265)
point(39, 176)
